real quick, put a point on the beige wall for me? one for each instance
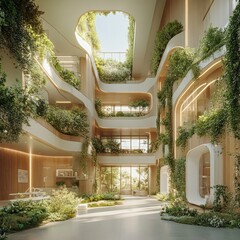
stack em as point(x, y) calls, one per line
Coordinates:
point(43, 171)
point(174, 10)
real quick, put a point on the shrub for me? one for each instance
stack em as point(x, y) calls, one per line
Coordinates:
point(67, 75)
point(72, 122)
point(120, 114)
point(212, 40)
point(97, 197)
point(111, 71)
point(22, 215)
point(161, 41)
point(62, 205)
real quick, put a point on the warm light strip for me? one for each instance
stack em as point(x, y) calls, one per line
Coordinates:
point(210, 68)
point(198, 94)
point(186, 100)
point(186, 23)
point(33, 155)
point(194, 92)
point(30, 169)
point(63, 101)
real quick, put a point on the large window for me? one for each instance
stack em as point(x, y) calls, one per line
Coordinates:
point(114, 109)
point(196, 104)
point(130, 144)
point(125, 180)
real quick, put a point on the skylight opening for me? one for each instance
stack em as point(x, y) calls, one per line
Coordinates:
point(111, 37)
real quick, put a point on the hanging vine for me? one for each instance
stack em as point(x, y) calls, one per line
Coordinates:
point(179, 63)
point(232, 71)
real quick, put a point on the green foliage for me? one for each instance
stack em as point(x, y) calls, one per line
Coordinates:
point(62, 205)
point(87, 29)
point(111, 71)
point(98, 145)
point(232, 70)
point(67, 75)
point(129, 54)
point(112, 146)
point(119, 114)
point(237, 180)
point(179, 208)
point(212, 40)
point(142, 104)
point(211, 123)
point(72, 122)
point(183, 135)
point(221, 197)
point(98, 107)
point(15, 108)
point(86, 198)
point(162, 38)
point(22, 215)
point(17, 18)
point(179, 63)
point(179, 177)
point(36, 80)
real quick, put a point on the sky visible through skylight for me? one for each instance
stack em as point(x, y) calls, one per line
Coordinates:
point(112, 31)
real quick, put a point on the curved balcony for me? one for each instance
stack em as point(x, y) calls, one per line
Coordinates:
point(206, 66)
point(175, 43)
point(131, 86)
point(68, 91)
point(47, 135)
point(127, 159)
point(127, 122)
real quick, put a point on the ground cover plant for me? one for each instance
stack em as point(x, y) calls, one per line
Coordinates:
point(222, 212)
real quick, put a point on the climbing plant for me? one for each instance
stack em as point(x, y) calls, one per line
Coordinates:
point(68, 121)
point(14, 110)
point(162, 38)
point(232, 70)
point(18, 19)
point(87, 29)
point(179, 63)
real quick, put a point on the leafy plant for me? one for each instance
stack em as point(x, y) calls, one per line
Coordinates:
point(62, 205)
point(22, 215)
point(183, 135)
point(15, 108)
point(72, 122)
point(179, 177)
point(162, 38)
point(98, 145)
point(112, 146)
point(67, 75)
point(142, 104)
point(211, 123)
point(232, 69)
point(212, 40)
point(221, 197)
point(18, 19)
point(87, 29)
point(111, 71)
point(129, 54)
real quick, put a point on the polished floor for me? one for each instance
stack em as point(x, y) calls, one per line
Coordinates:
point(137, 219)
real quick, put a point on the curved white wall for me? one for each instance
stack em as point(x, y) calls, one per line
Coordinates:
point(164, 180)
point(129, 122)
point(193, 176)
point(46, 136)
point(189, 77)
point(63, 86)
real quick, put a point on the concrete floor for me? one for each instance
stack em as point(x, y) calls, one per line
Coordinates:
point(138, 219)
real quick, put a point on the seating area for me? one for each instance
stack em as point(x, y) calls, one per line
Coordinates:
point(29, 194)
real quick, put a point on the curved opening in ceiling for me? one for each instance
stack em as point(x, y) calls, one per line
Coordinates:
point(111, 38)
